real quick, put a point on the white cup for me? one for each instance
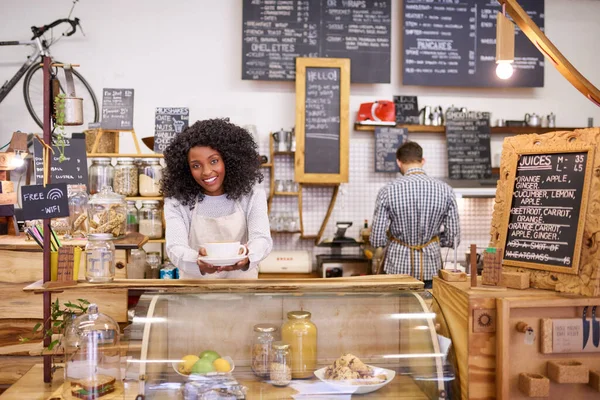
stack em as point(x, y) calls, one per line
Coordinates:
point(224, 249)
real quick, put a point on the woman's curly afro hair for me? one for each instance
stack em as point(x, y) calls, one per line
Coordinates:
point(237, 148)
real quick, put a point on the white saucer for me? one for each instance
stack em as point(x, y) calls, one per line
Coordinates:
point(222, 262)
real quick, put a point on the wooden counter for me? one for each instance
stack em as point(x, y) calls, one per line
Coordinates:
point(32, 387)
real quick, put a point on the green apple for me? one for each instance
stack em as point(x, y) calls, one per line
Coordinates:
point(202, 366)
point(209, 355)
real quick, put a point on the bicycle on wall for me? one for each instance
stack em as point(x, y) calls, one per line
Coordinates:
point(33, 88)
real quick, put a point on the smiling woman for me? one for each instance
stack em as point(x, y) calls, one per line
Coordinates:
point(209, 185)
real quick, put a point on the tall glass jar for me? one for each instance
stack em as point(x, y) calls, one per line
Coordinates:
point(92, 357)
point(150, 175)
point(151, 219)
point(133, 222)
point(136, 267)
point(301, 334)
point(126, 177)
point(262, 354)
point(101, 174)
point(78, 215)
point(100, 258)
point(107, 213)
point(153, 261)
point(280, 370)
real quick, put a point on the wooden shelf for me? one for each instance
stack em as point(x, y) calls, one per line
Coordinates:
point(514, 130)
point(142, 198)
point(286, 193)
point(284, 153)
point(157, 240)
point(277, 232)
point(117, 155)
point(266, 165)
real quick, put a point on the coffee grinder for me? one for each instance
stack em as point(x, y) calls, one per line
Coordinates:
point(337, 264)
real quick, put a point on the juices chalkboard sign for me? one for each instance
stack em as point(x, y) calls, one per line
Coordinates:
point(546, 210)
point(322, 94)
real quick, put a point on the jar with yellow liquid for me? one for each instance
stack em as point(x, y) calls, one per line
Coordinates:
point(301, 334)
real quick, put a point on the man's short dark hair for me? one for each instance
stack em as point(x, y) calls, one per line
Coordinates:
point(409, 152)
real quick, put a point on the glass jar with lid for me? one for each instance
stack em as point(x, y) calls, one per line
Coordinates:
point(125, 181)
point(280, 369)
point(150, 174)
point(136, 267)
point(100, 258)
point(301, 334)
point(153, 260)
point(151, 223)
point(92, 357)
point(262, 354)
point(132, 218)
point(101, 174)
point(78, 215)
point(107, 213)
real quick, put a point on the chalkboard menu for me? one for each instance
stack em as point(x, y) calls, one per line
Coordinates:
point(453, 43)
point(387, 141)
point(41, 201)
point(276, 32)
point(168, 122)
point(117, 109)
point(322, 126)
point(468, 142)
point(407, 110)
point(72, 170)
point(546, 204)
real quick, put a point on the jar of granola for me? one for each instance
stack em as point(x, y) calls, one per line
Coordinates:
point(262, 354)
point(107, 213)
point(280, 369)
point(125, 181)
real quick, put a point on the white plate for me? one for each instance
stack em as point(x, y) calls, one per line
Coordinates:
point(348, 387)
point(227, 358)
point(222, 262)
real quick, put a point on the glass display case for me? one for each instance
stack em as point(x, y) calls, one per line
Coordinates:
point(389, 345)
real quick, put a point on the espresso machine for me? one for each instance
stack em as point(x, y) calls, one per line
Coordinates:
point(337, 264)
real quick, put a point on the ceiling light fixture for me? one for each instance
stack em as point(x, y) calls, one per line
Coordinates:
point(505, 45)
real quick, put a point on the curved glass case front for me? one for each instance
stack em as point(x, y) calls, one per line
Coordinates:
point(380, 345)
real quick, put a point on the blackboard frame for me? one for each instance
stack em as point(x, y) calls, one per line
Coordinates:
point(302, 63)
point(508, 170)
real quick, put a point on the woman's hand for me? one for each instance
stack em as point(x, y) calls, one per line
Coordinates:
point(240, 265)
point(205, 268)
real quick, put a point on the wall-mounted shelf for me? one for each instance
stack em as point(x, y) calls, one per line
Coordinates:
point(284, 153)
point(157, 240)
point(514, 130)
point(266, 165)
point(118, 155)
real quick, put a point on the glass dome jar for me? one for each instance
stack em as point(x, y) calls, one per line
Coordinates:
point(100, 258)
point(280, 370)
point(78, 215)
point(262, 353)
point(107, 213)
point(150, 175)
point(301, 334)
point(92, 357)
point(125, 181)
point(133, 223)
point(151, 223)
point(101, 174)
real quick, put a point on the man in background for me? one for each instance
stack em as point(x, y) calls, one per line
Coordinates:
point(415, 216)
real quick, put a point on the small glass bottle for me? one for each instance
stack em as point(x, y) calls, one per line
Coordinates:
point(280, 370)
point(133, 224)
point(150, 175)
point(125, 181)
point(136, 267)
point(100, 258)
point(262, 354)
point(101, 174)
point(153, 260)
point(78, 204)
point(92, 357)
point(151, 219)
point(301, 334)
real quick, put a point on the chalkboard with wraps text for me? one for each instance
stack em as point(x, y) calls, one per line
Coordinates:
point(322, 98)
point(546, 207)
point(168, 123)
point(387, 141)
point(117, 109)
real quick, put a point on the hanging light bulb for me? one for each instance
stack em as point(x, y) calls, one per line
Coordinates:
point(504, 69)
point(505, 45)
point(17, 160)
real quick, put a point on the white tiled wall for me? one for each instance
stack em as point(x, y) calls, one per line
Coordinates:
point(356, 199)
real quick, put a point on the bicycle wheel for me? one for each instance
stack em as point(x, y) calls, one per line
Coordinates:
point(33, 92)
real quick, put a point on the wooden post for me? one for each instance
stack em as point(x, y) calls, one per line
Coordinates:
point(473, 262)
point(46, 223)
